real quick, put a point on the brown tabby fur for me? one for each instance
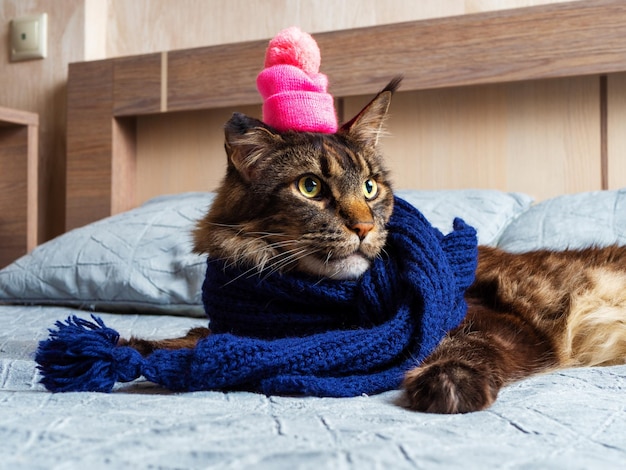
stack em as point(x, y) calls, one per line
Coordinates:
point(528, 313)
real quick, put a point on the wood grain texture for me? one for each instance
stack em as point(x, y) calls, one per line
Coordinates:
point(204, 78)
point(32, 186)
point(12, 117)
point(193, 23)
point(467, 130)
point(137, 85)
point(181, 152)
point(100, 148)
point(13, 187)
point(539, 137)
point(39, 86)
point(89, 142)
point(531, 43)
point(553, 137)
point(123, 165)
point(18, 183)
point(95, 29)
point(616, 131)
point(568, 39)
point(145, 26)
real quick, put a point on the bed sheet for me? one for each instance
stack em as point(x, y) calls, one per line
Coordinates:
point(570, 419)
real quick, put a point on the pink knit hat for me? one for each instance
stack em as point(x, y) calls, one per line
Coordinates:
point(294, 92)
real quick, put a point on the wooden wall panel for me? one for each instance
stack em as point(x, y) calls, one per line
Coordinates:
point(38, 86)
point(229, 64)
point(96, 29)
point(13, 188)
point(437, 139)
point(137, 85)
point(537, 136)
point(89, 143)
point(540, 137)
point(182, 151)
point(101, 151)
point(19, 205)
point(544, 42)
point(554, 136)
point(123, 195)
point(144, 26)
point(616, 130)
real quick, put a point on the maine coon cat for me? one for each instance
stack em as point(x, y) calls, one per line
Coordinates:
point(319, 203)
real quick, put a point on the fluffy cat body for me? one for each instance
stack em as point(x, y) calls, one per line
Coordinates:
point(319, 203)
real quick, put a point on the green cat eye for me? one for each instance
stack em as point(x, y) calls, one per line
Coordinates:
point(310, 186)
point(370, 188)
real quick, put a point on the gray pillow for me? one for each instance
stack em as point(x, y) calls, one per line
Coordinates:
point(141, 260)
point(488, 211)
point(570, 221)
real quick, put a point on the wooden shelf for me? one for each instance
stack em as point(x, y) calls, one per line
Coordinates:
point(18, 183)
point(560, 40)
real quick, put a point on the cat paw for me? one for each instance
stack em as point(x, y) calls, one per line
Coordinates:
point(448, 387)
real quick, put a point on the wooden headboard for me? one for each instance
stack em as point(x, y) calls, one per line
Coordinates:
point(529, 100)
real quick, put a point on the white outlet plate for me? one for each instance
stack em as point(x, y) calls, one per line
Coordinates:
point(29, 37)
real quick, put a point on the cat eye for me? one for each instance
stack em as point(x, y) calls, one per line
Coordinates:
point(310, 186)
point(370, 188)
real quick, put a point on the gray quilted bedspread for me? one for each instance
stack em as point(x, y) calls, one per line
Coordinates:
point(574, 419)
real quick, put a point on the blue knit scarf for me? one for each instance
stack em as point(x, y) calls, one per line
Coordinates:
point(292, 334)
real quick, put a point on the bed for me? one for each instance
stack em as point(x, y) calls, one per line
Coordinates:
point(126, 257)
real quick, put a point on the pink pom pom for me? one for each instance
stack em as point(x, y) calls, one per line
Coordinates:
point(292, 46)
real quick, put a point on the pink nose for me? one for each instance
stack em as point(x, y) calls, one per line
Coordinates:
point(362, 228)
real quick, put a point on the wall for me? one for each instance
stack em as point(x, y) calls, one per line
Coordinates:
point(94, 29)
point(616, 130)
point(419, 142)
point(142, 26)
point(540, 137)
point(39, 86)
point(471, 137)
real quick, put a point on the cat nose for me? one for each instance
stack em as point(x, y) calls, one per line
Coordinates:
point(362, 228)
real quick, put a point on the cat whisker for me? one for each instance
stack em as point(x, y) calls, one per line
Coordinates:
point(296, 255)
point(242, 230)
point(337, 271)
point(263, 258)
point(225, 225)
point(263, 263)
point(286, 258)
point(268, 234)
point(284, 243)
point(243, 274)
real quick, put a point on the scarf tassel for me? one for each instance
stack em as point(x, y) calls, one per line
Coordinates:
point(83, 356)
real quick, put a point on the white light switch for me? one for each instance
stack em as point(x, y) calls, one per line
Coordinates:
point(29, 37)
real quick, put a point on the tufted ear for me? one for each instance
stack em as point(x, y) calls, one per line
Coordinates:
point(247, 141)
point(367, 126)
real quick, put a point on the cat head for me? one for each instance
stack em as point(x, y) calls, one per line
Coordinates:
point(316, 203)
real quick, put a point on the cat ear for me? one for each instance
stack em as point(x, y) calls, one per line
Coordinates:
point(367, 126)
point(247, 141)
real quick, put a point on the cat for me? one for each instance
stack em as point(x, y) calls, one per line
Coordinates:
point(319, 204)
